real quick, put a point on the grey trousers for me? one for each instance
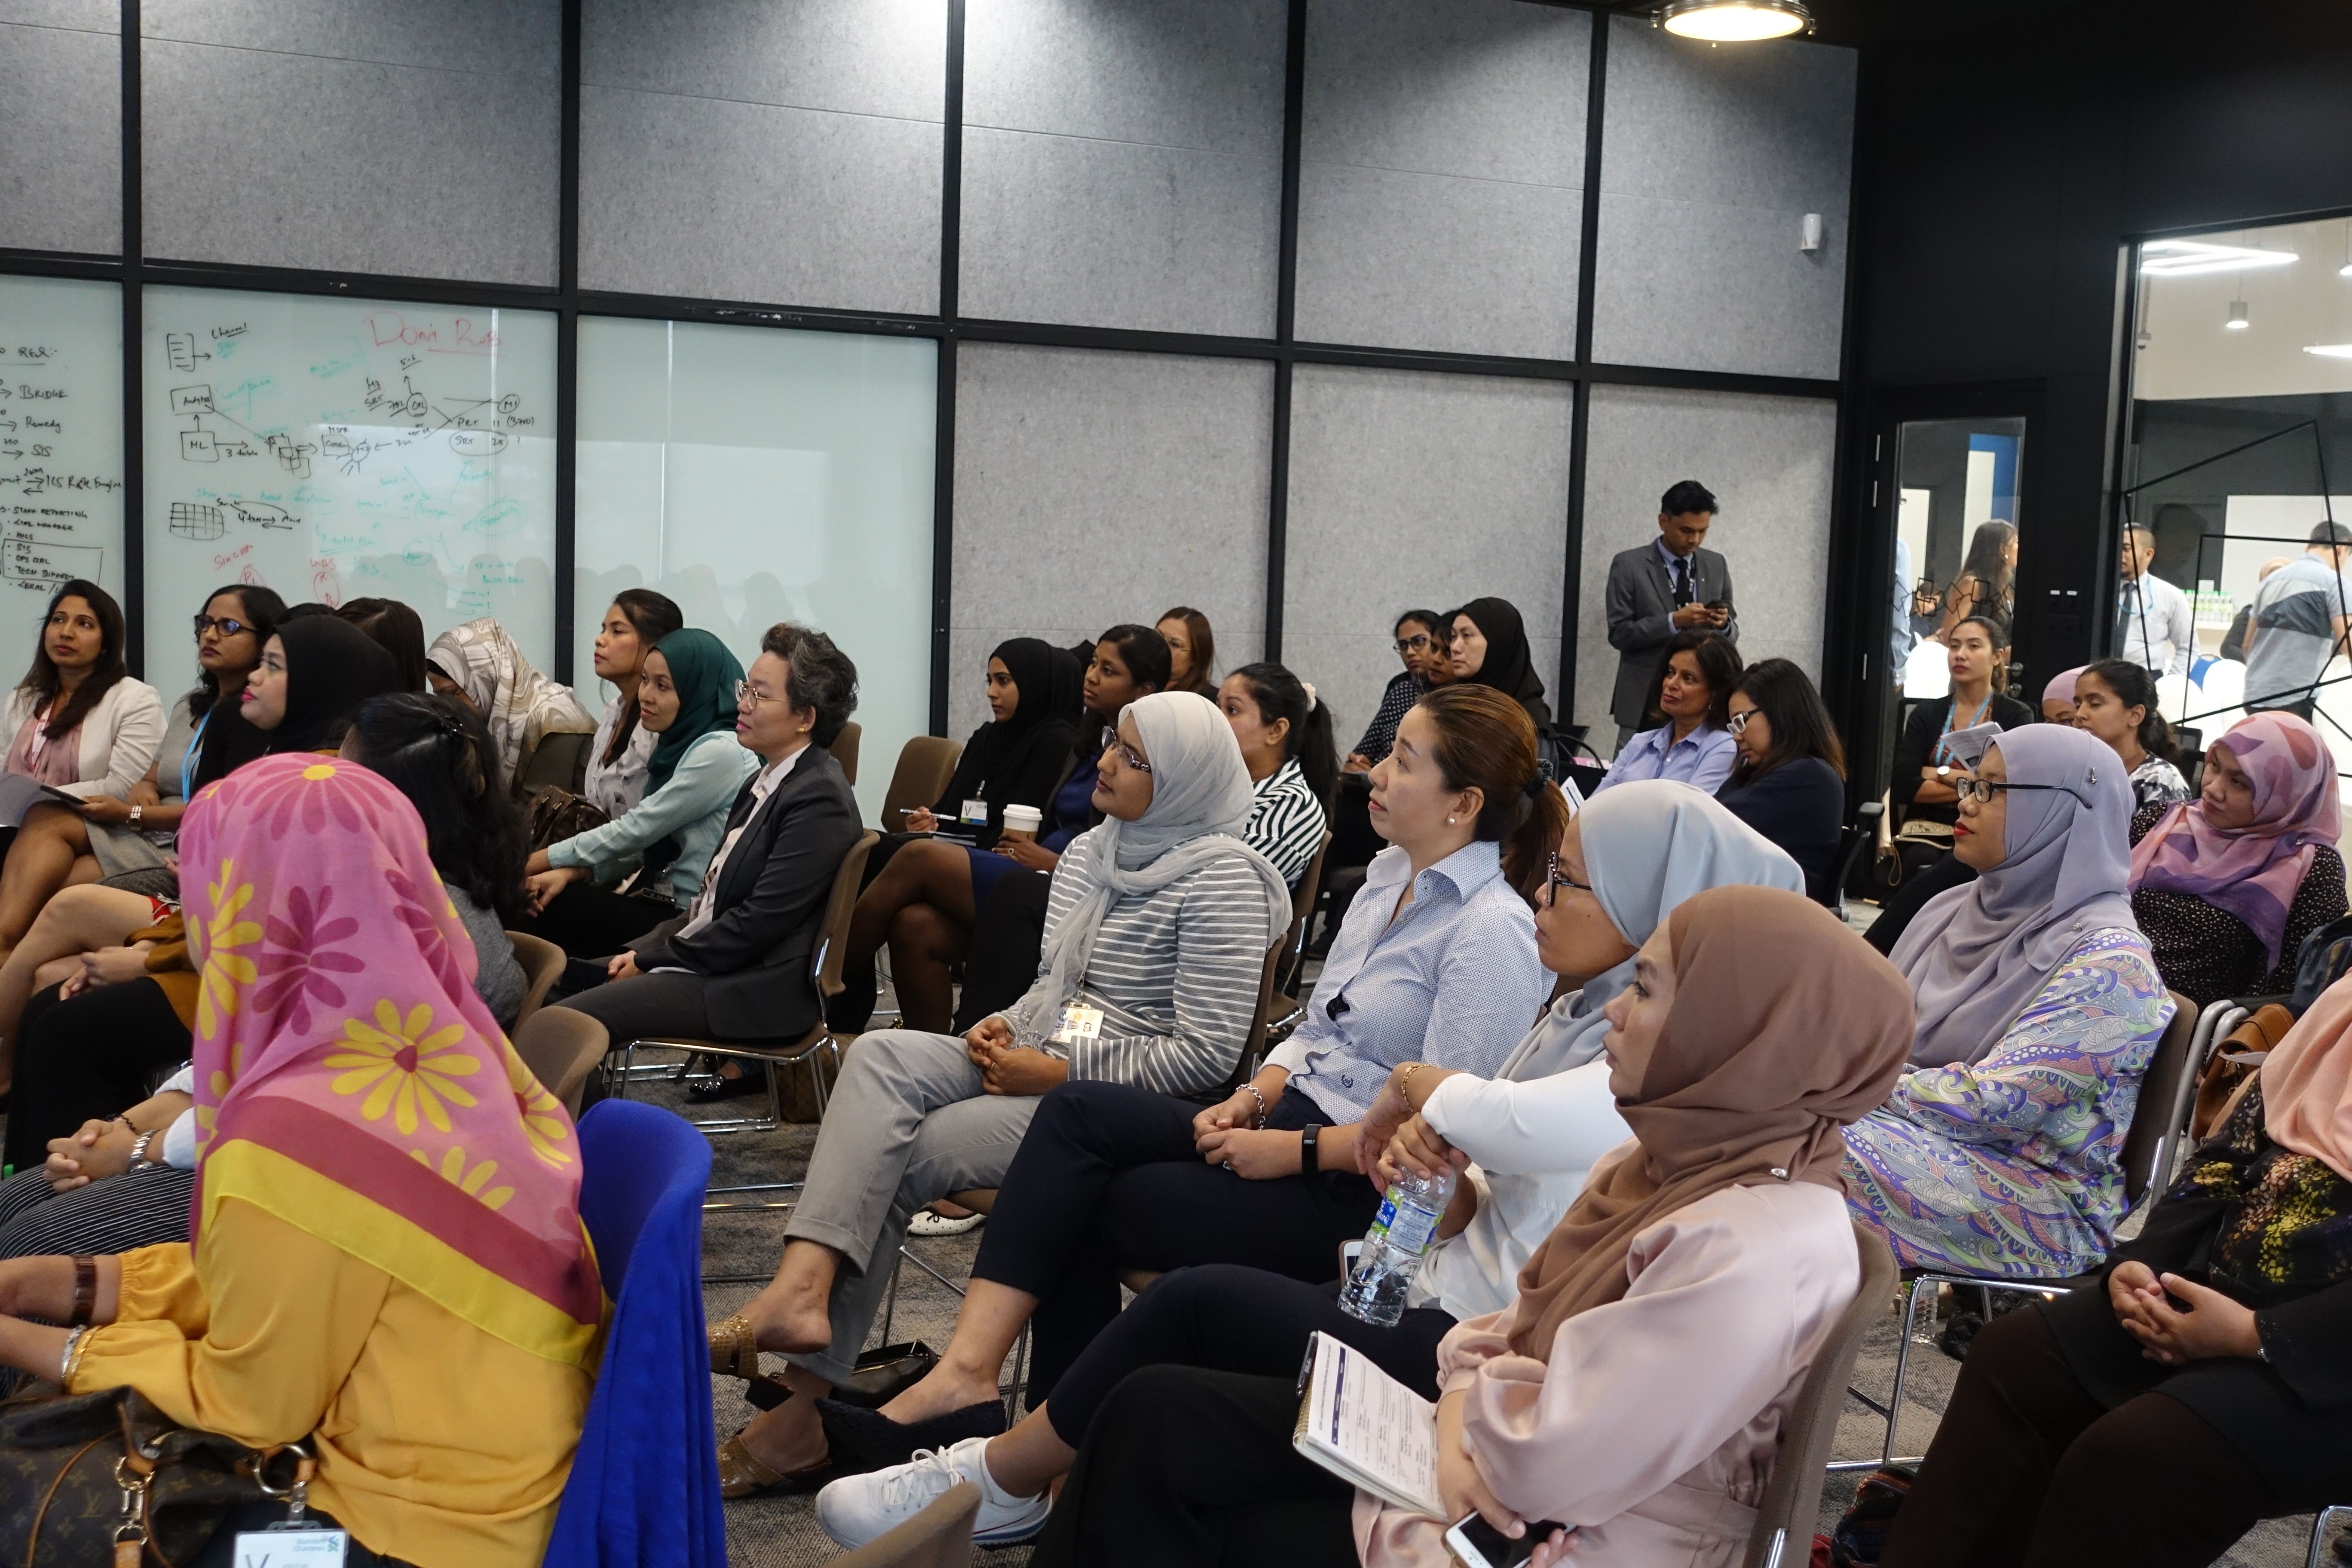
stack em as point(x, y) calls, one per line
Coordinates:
point(907, 1124)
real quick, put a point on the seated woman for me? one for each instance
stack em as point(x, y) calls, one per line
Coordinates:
point(2038, 1008)
point(2228, 886)
point(1690, 701)
point(314, 673)
point(80, 723)
point(444, 1361)
point(1284, 734)
point(1158, 934)
point(2058, 696)
point(1534, 1130)
point(395, 628)
point(1681, 1300)
point(634, 623)
point(1191, 651)
point(1421, 641)
point(685, 688)
point(2115, 700)
point(479, 664)
point(2202, 1384)
point(926, 901)
point(123, 1013)
point(734, 964)
point(1488, 646)
point(127, 843)
point(1789, 782)
point(1926, 768)
point(1437, 963)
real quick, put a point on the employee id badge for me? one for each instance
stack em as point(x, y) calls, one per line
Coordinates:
point(291, 1546)
point(1079, 1023)
point(975, 812)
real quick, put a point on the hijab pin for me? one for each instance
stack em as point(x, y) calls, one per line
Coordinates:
point(1782, 1172)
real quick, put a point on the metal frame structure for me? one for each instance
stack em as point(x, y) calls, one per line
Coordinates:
point(948, 327)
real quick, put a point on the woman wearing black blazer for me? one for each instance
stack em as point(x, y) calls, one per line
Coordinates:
point(736, 965)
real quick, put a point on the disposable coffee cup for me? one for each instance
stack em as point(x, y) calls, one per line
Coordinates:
point(1023, 822)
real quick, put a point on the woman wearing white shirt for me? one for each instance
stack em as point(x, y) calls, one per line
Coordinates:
point(636, 620)
point(1645, 848)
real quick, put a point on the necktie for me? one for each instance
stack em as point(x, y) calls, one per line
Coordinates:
point(1682, 581)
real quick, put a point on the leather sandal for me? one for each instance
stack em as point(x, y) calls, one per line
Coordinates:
point(733, 1353)
point(741, 1475)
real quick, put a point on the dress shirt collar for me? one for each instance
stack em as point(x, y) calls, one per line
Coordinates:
point(772, 775)
point(1669, 557)
point(1465, 870)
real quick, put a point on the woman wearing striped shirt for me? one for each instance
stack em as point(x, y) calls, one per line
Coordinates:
point(1155, 939)
point(1285, 733)
point(1436, 962)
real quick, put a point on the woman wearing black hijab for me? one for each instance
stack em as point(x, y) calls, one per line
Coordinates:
point(315, 671)
point(1490, 648)
point(922, 892)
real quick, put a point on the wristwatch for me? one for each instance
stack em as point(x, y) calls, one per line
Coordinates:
point(1944, 770)
point(1307, 1148)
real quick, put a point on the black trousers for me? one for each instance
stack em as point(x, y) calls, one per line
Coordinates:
point(1002, 962)
point(2028, 1469)
point(87, 1059)
point(1916, 890)
point(1229, 1319)
point(1106, 1179)
point(1186, 1469)
point(593, 922)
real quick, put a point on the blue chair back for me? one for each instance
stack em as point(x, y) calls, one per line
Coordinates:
point(643, 1490)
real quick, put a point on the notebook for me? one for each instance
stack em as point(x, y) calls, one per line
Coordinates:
point(1367, 1428)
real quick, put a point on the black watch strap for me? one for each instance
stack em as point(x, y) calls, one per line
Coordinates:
point(1306, 1148)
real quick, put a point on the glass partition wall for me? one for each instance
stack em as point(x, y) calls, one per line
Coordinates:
point(2237, 467)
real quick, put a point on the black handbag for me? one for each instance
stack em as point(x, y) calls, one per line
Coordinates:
point(91, 1478)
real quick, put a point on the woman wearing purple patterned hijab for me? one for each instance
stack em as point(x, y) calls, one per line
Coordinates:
point(2256, 847)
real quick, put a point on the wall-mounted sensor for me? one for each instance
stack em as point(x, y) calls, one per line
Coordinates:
point(1811, 239)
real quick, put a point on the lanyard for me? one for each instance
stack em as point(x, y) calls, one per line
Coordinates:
point(1944, 746)
point(196, 747)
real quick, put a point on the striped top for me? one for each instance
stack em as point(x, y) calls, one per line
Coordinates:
point(1286, 823)
point(1175, 972)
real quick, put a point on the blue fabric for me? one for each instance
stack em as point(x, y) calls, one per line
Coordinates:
point(987, 866)
point(643, 1490)
point(1702, 759)
point(1071, 811)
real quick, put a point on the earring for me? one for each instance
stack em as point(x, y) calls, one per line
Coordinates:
point(1449, 822)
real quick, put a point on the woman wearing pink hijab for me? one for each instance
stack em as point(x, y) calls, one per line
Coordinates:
point(2226, 886)
point(2204, 1384)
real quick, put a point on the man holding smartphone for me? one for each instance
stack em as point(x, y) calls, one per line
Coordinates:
point(1658, 589)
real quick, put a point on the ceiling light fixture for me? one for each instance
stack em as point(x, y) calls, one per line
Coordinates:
point(2237, 321)
point(2330, 351)
point(2189, 258)
point(1733, 21)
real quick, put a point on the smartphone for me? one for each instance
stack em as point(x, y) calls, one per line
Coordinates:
point(1717, 604)
point(1478, 1544)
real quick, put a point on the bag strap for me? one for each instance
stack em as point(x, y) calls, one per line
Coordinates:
point(33, 1540)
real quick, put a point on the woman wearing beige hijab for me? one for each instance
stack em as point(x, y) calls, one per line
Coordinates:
point(2205, 1381)
point(1635, 1390)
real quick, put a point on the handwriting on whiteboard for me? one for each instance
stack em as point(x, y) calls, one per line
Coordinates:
point(46, 536)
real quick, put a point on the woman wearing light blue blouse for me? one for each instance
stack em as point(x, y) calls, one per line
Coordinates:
point(686, 695)
point(1690, 700)
point(2040, 1005)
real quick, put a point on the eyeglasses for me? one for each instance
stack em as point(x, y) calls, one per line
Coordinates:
point(227, 626)
point(1982, 791)
point(1553, 879)
point(746, 692)
point(1739, 721)
point(1413, 643)
point(1128, 755)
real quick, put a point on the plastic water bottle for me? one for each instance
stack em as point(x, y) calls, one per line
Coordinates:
point(1400, 1233)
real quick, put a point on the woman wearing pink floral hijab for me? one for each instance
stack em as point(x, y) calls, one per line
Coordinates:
point(2226, 886)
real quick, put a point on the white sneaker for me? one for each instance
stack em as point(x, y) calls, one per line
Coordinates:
point(927, 1223)
point(855, 1509)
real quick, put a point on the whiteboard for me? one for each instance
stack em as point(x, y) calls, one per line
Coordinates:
point(337, 449)
point(60, 450)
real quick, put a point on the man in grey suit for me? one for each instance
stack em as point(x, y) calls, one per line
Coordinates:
point(1658, 589)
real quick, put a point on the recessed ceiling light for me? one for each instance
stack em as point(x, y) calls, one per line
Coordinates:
point(1734, 21)
point(2188, 257)
point(2332, 351)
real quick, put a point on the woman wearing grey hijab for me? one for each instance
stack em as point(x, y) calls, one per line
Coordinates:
point(1155, 939)
point(2038, 1007)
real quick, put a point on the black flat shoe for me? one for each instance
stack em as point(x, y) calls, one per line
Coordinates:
point(865, 1440)
point(719, 1085)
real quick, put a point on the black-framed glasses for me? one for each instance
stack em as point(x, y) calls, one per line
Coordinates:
point(1128, 755)
point(1982, 791)
point(1738, 722)
point(1413, 643)
point(227, 626)
point(1554, 879)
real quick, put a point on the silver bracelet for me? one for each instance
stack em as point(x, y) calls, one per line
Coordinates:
point(1253, 1094)
point(70, 1355)
point(139, 1150)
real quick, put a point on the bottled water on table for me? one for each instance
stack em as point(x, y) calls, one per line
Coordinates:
point(1400, 1233)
